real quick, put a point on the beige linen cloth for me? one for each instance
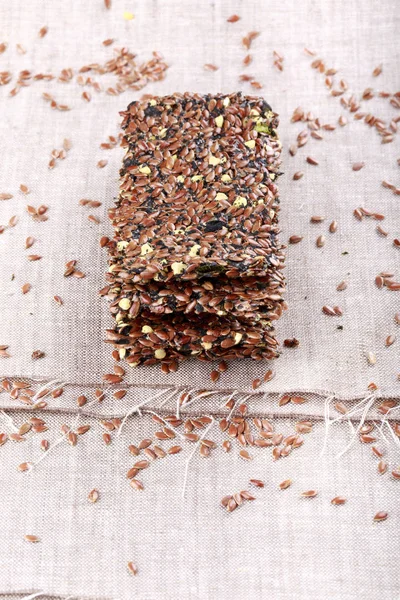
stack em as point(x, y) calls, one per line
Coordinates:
point(279, 546)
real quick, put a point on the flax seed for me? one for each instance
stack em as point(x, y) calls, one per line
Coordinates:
point(83, 429)
point(309, 494)
point(136, 484)
point(381, 516)
point(131, 566)
point(93, 496)
point(333, 227)
point(33, 539)
point(338, 501)
point(106, 438)
point(81, 401)
point(244, 454)
point(285, 484)
point(295, 239)
point(226, 445)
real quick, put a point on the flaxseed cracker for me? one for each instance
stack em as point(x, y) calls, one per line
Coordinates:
point(197, 192)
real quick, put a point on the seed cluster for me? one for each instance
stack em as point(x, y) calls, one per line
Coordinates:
point(195, 263)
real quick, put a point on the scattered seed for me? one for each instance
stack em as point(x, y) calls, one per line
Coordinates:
point(333, 227)
point(298, 175)
point(44, 445)
point(367, 439)
point(215, 375)
point(226, 445)
point(291, 343)
point(312, 161)
point(338, 501)
point(16, 437)
point(298, 400)
point(72, 438)
point(244, 454)
point(269, 375)
point(231, 505)
point(257, 483)
point(377, 452)
point(93, 496)
point(377, 71)
point(320, 241)
point(25, 466)
point(233, 18)
point(358, 166)
point(382, 467)
point(33, 539)
point(131, 566)
point(141, 464)
point(295, 239)
point(26, 287)
point(136, 484)
point(309, 494)
point(341, 286)
point(210, 67)
point(340, 407)
point(381, 516)
point(287, 483)
point(390, 340)
point(225, 500)
point(81, 401)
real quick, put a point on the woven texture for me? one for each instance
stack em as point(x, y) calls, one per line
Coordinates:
point(278, 545)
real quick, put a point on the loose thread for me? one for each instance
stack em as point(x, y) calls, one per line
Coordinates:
point(135, 408)
point(396, 439)
point(380, 430)
point(10, 421)
point(384, 421)
point(370, 400)
point(191, 456)
point(203, 395)
point(327, 423)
